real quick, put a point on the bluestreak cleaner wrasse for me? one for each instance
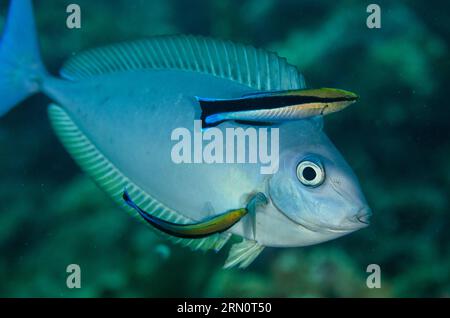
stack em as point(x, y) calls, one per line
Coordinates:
point(271, 107)
point(216, 224)
point(114, 109)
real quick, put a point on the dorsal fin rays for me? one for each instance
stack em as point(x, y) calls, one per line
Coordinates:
point(256, 68)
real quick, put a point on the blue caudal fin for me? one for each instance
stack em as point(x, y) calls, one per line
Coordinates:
point(21, 69)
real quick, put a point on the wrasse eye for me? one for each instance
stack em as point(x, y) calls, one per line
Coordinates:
point(310, 173)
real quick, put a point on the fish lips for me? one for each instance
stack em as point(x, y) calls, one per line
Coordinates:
point(358, 221)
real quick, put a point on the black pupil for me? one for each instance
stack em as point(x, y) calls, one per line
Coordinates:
point(309, 174)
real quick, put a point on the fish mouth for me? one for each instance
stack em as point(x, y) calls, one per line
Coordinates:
point(363, 216)
point(359, 221)
point(328, 229)
point(314, 227)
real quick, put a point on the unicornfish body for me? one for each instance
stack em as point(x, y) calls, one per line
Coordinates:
point(121, 111)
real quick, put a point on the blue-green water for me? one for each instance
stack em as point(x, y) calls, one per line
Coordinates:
point(396, 139)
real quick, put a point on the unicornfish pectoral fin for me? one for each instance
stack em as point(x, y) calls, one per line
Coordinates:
point(256, 202)
point(244, 253)
point(208, 227)
point(275, 106)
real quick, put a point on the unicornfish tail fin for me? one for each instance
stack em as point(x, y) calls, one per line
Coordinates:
point(21, 69)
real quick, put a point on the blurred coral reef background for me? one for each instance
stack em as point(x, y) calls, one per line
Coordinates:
point(396, 139)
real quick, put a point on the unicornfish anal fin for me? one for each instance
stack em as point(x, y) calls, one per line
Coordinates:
point(275, 106)
point(211, 226)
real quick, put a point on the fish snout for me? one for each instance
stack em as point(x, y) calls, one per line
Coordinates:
point(362, 218)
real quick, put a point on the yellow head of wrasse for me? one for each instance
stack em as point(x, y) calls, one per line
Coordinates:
point(236, 214)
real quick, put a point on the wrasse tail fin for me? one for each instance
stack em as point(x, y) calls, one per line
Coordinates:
point(213, 113)
point(21, 69)
point(209, 117)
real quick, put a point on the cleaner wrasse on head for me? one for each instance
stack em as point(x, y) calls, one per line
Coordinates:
point(278, 106)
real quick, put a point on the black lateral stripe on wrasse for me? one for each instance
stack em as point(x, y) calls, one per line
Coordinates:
point(191, 231)
point(211, 106)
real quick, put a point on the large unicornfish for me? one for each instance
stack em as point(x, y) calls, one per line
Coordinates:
point(115, 109)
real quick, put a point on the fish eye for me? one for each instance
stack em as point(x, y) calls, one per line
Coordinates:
point(310, 173)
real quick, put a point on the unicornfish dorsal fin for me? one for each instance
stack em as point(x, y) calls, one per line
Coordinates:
point(258, 69)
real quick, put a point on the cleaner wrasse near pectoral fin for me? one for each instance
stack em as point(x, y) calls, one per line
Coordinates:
point(210, 226)
point(276, 106)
